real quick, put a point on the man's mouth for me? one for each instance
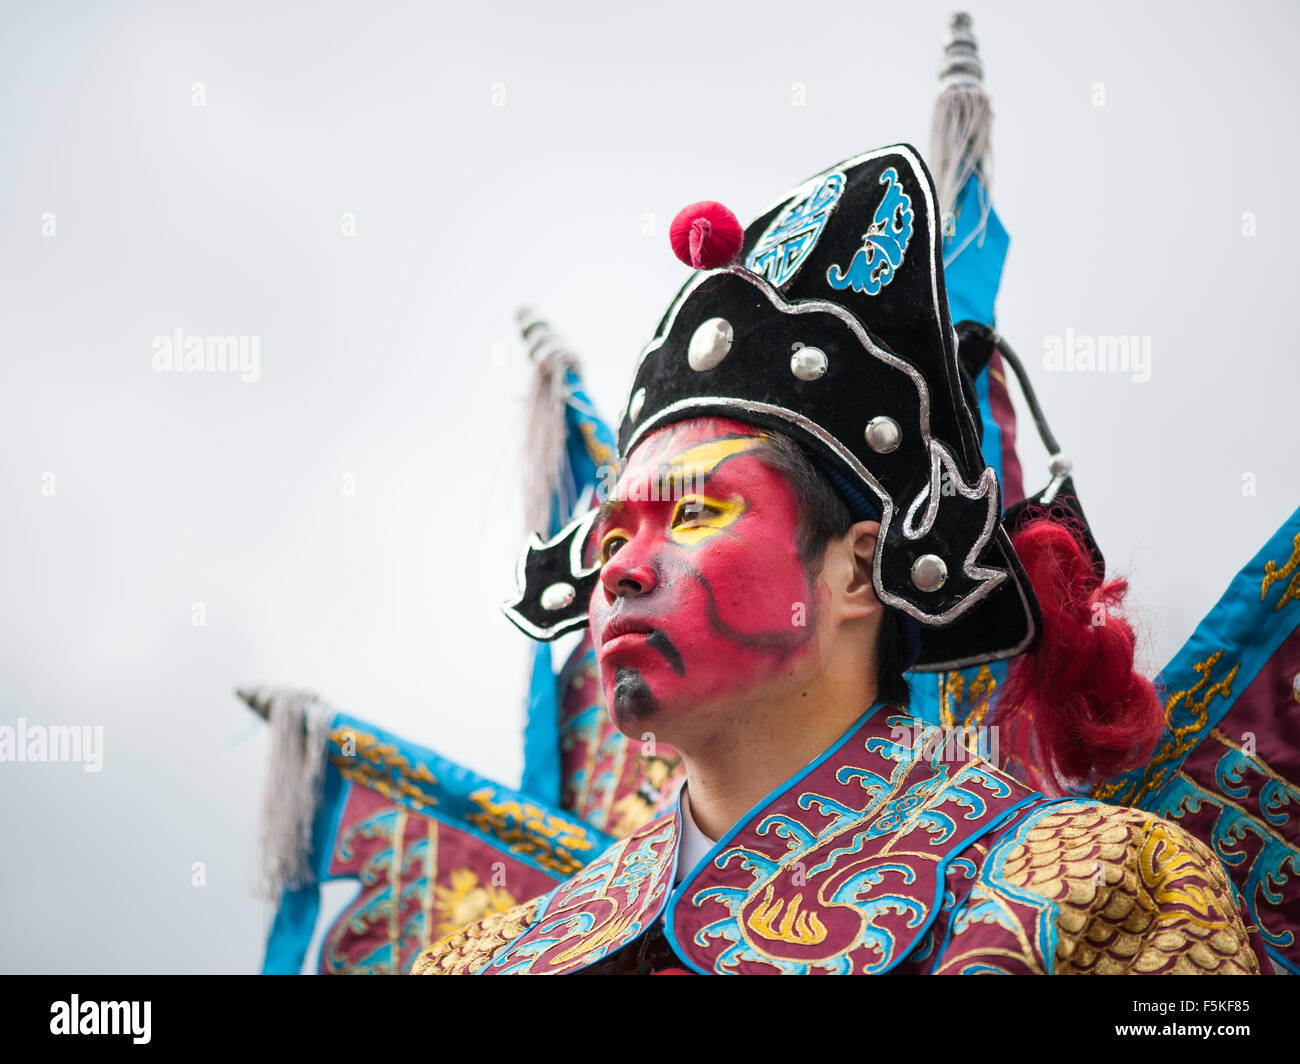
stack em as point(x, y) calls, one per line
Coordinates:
point(623, 631)
point(622, 626)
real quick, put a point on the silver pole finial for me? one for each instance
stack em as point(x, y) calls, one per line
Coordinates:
point(538, 335)
point(961, 58)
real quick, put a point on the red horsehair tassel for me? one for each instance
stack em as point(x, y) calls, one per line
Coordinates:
point(1078, 710)
point(706, 235)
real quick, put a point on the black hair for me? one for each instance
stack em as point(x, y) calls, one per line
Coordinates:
point(823, 516)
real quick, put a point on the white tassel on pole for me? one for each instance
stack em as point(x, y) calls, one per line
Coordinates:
point(961, 133)
point(294, 780)
point(545, 430)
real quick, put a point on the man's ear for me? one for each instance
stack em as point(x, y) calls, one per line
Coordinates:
point(859, 595)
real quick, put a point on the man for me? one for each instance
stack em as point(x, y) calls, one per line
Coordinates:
point(802, 514)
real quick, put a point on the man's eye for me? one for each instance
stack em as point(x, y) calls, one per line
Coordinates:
point(693, 511)
point(609, 546)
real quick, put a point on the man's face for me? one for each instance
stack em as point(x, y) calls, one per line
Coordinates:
point(702, 596)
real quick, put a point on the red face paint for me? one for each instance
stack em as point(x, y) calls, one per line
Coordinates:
point(702, 594)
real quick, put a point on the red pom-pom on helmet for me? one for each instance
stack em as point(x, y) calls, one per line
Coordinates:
point(706, 235)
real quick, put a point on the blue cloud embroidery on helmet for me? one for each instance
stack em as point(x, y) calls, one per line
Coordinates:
point(883, 244)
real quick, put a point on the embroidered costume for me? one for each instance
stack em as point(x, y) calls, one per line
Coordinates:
point(884, 856)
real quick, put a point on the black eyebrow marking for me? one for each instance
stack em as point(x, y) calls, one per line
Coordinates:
point(607, 510)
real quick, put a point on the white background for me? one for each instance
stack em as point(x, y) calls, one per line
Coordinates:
point(391, 355)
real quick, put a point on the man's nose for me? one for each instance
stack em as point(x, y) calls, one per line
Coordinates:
point(626, 575)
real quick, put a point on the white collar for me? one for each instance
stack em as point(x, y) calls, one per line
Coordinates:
point(693, 845)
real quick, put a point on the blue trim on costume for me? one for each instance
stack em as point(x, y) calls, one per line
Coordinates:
point(952, 922)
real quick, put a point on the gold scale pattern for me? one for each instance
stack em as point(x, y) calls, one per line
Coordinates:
point(1135, 894)
point(473, 947)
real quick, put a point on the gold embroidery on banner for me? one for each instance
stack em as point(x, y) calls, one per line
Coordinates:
point(979, 697)
point(530, 830)
point(465, 901)
point(1199, 710)
point(1272, 574)
point(524, 827)
point(950, 686)
point(1181, 739)
point(372, 765)
point(599, 452)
